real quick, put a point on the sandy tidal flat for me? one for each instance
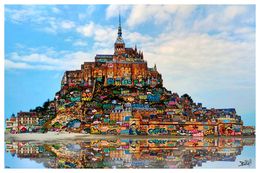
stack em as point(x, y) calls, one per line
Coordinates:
point(44, 136)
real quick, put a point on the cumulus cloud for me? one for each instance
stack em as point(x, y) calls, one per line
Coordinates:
point(196, 55)
point(67, 24)
point(114, 10)
point(80, 43)
point(34, 58)
point(90, 9)
point(103, 36)
point(223, 19)
point(54, 25)
point(212, 64)
point(23, 14)
point(43, 18)
point(232, 12)
point(87, 30)
point(50, 60)
point(9, 64)
point(136, 37)
point(56, 10)
point(158, 14)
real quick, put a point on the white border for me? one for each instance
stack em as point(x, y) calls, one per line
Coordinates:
point(2, 85)
point(3, 2)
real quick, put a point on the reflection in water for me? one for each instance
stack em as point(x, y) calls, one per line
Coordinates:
point(131, 153)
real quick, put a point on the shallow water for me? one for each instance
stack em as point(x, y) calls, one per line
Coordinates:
point(227, 152)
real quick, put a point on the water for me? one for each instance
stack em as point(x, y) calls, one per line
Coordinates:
point(227, 152)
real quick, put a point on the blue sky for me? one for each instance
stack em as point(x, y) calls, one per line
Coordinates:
point(207, 51)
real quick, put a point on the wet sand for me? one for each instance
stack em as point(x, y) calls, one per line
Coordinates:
point(44, 136)
point(66, 136)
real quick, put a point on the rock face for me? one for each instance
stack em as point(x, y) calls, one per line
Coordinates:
point(119, 94)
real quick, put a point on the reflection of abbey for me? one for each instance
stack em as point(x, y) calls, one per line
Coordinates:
point(125, 67)
point(133, 153)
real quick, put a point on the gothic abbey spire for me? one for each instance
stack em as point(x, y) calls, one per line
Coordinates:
point(119, 44)
point(119, 33)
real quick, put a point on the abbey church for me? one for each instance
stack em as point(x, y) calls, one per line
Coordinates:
point(125, 67)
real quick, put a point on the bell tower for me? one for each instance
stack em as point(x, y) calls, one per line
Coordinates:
point(119, 44)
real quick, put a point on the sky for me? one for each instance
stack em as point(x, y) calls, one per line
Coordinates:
point(207, 51)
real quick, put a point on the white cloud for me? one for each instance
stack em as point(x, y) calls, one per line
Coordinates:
point(43, 18)
point(214, 70)
point(52, 26)
point(87, 30)
point(34, 58)
point(16, 15)
point(16, 65)
point(87, 13)
point(133, 38)
point(67, 24)
point(56, 10)
point(232, 12)
point(80, 43)
point(73, 60)
point(103, 36)
point(61, 60)
point(201, 59)
point(158, 14)
point(114, 10)
point(225, 19)
point(68, 39)
point(31, 14)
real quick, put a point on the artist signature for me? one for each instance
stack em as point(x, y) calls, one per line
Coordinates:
point(245, 162)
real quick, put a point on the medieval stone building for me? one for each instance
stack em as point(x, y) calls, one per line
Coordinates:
point(125, 67)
